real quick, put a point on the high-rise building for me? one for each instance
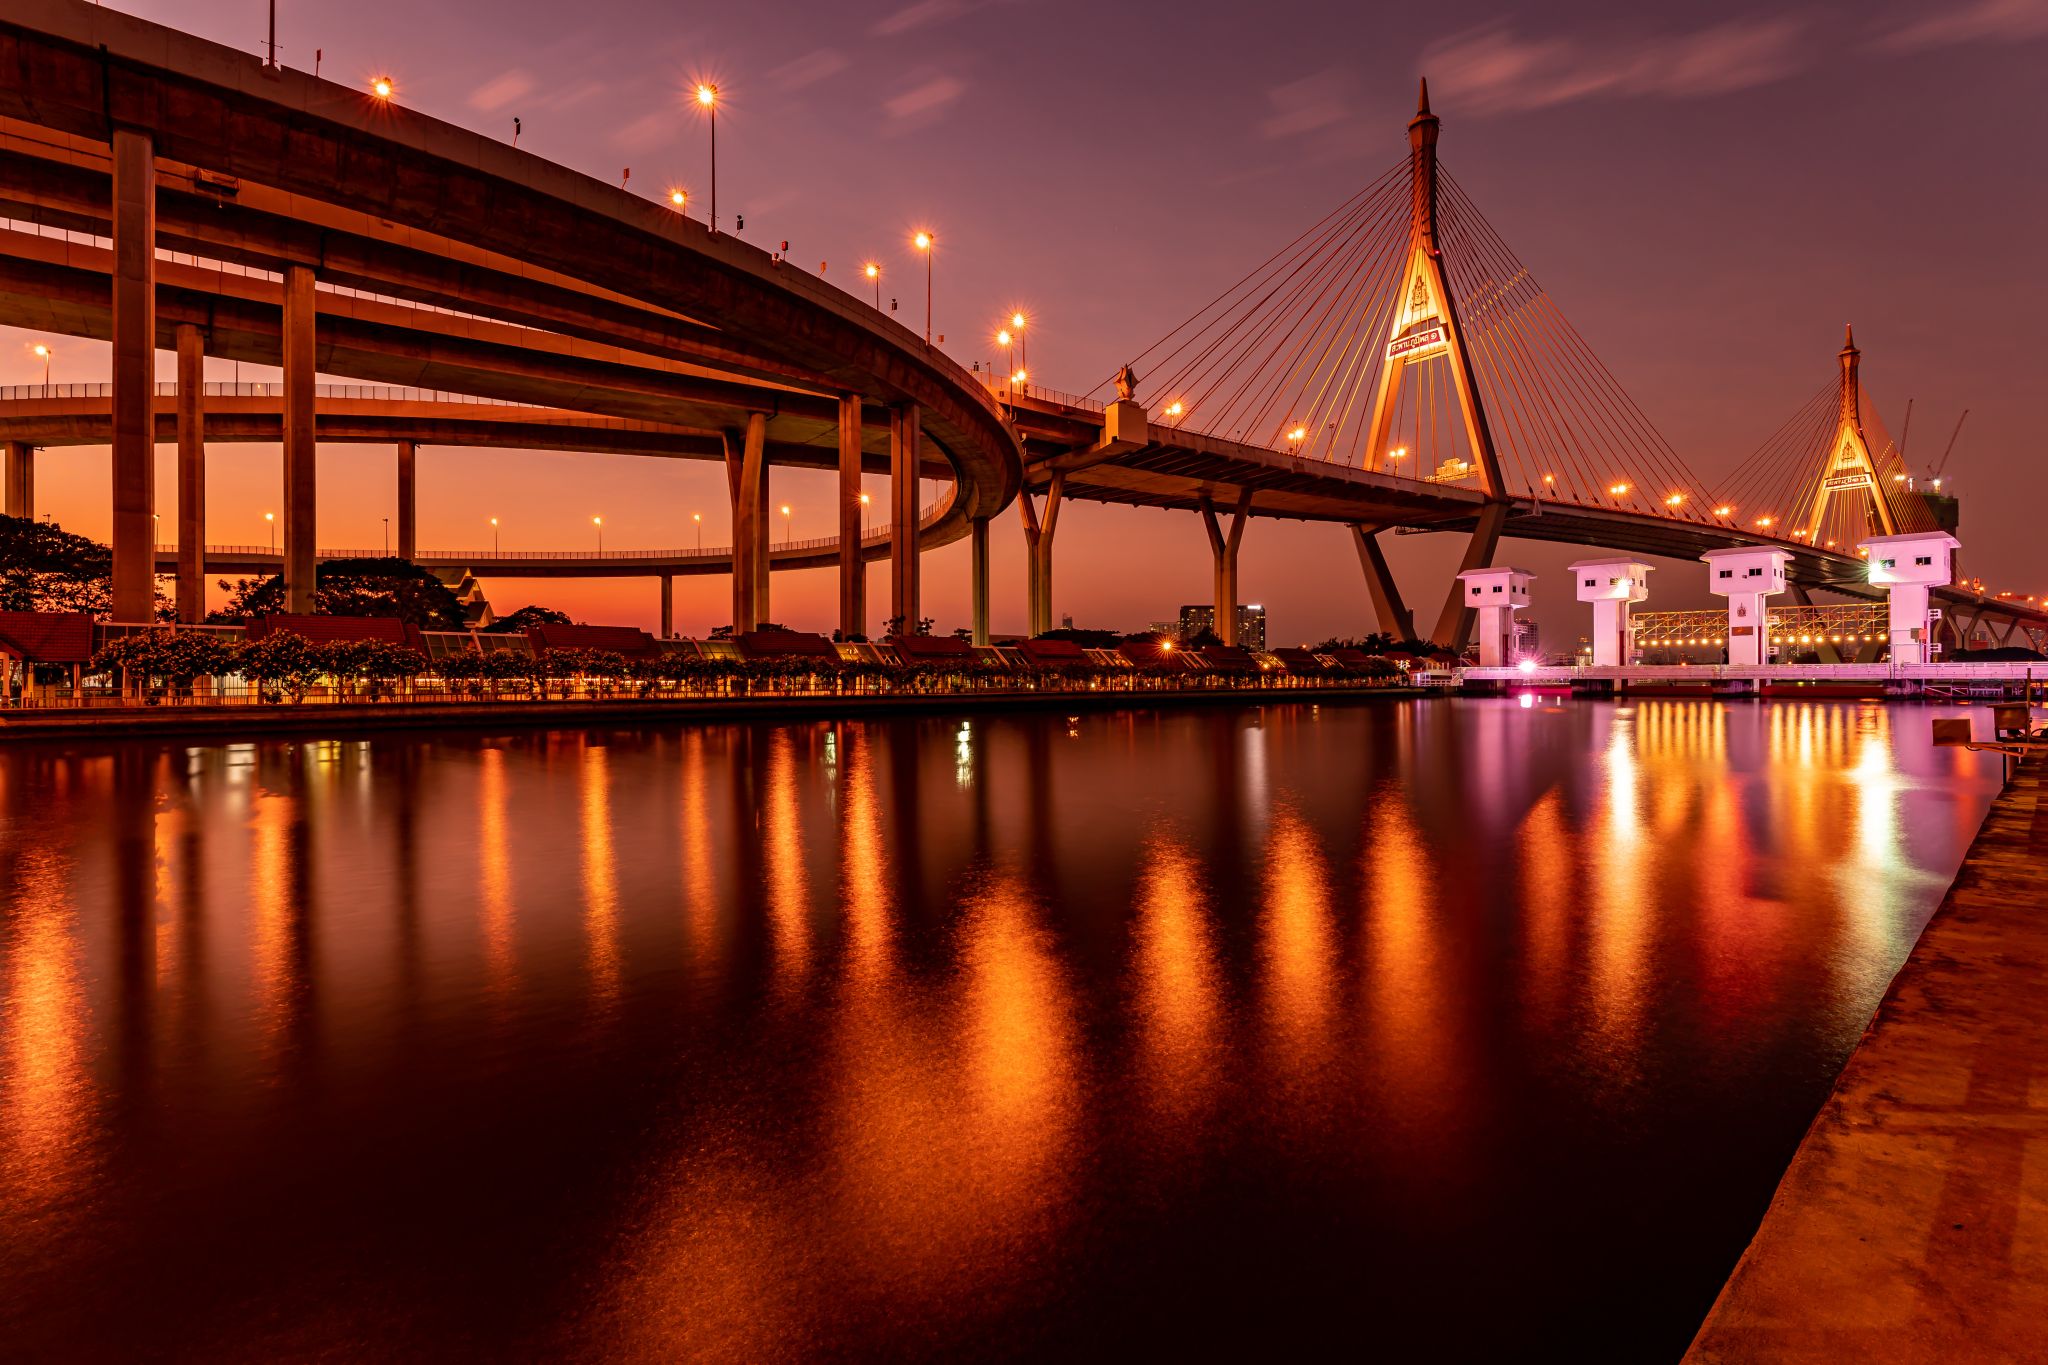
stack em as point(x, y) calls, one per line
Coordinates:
point(1251, 623)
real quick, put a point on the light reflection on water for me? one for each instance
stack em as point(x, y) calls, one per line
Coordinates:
point(1200, 1029)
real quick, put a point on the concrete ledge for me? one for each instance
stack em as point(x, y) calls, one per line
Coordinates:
point(1912, 1224)
point(235, 722)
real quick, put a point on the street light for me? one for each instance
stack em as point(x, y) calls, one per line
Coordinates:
point(923, 242)
point(1023, 345)
point(42, 349)
point(788, 527)
point(698, 517)
point(1004, 339)
point(382, 87)
point(494, 536)
point(271, 517)
point(387, 537)
point(681, 199)
point(707, 100)
point(874, 274)
point(598, 522)
point(867, 527)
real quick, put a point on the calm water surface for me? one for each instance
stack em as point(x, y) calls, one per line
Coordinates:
point(1455, 1028)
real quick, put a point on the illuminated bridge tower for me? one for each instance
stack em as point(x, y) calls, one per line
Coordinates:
point(1850, 467)
point(1425, 326)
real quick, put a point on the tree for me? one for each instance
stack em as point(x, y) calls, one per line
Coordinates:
point(44, 567)
point(394, 588)
point(516, 623)
point(1202, 638)
point(280, 663)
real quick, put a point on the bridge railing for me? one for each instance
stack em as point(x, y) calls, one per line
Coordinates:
point(874, 535)
point(376, 393)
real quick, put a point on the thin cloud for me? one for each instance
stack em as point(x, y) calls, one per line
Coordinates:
point(1304, 106)
point(809, 69)
point(1497, 70)
point(933, 95)
point(918, 15)
point(499, 91)
point(1981, 22)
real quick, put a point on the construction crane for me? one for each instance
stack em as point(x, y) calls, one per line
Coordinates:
point(1934, 474)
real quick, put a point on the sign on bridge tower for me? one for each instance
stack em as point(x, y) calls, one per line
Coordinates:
point(1425, 324)
point(1850, 468)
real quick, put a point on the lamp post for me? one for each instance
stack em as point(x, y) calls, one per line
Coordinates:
point(387, 537)
point(1007, 342)
point(923, 242)
point(681, 199)
point(874, 274)
point(1023, 346)
point(788, 527)
point(494, 537)
point(43, 350)
point(271, 517)
point(598, 522)
point(707, 100)
point(698, 517)
point(867, 524)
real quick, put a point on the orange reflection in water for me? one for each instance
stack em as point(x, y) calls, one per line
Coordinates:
point(494, 870)
point(1177, 990)
point(1297, 957)
point(273, 928)
point(782, 859)
point(1407, 998)
point(46, 1091)
point(600, 875)
point(700, 886)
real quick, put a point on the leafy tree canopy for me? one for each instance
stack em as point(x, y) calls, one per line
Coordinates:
point(516, 623)
point(355, 587)
point(44, 567)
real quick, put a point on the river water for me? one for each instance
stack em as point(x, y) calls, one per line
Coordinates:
point(1447, 1028)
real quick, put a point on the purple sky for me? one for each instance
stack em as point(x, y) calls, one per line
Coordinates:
point(1708, 195)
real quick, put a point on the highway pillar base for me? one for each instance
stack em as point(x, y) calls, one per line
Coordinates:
point(191, 475)
point(1224, 546)
point(21, 480)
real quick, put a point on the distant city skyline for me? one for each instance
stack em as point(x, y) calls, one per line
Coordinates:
point(1707, 199)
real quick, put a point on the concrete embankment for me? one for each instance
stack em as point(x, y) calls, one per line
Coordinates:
point(246, 722)
point(1912, 1224)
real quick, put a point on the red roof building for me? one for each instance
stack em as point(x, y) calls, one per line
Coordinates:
point(46, 637)
point(630, 641)
point(1052, 653)
point(936, 649)
point(322, 630)
point(785, 644)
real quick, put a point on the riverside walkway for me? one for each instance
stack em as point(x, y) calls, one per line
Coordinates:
point(1912, 1224)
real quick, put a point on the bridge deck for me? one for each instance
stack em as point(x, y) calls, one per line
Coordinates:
point(1913, 1222)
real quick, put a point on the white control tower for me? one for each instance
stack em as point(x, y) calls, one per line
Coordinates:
point(1612, 586)
point(1907, 567)
point(1748, 576)
point(1496, 594)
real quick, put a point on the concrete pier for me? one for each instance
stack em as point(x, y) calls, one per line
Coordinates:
point(1912, 1224)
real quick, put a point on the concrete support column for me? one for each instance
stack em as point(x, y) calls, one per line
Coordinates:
point(904, 454)
point(668, 606)
point(764, 518)
point(1388, 609)
point(134, 403)
point(1039, 526)
point(1454, 626)
point(191, 475)
point(1223, 546)
point(299, 497)
point(853, 572)
point(980, 579)
point(408, 499)
point(21, 480)
point(747, 481)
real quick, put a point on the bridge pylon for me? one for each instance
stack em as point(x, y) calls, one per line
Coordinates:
point(1425, 326)
point(1850, 466)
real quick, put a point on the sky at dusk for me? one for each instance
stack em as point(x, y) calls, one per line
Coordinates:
point(1707, 192)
